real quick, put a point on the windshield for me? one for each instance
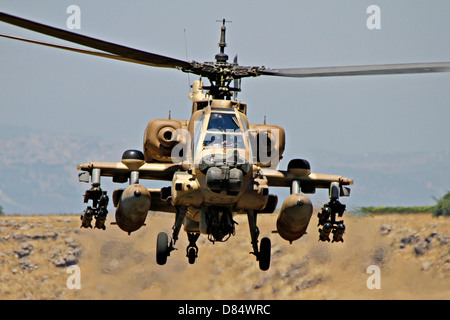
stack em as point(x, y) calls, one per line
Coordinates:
point(223, 135)
point(223, 122)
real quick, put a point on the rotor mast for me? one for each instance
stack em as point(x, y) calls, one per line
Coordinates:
point(222, 77)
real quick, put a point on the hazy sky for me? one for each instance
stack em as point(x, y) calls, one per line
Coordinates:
point(69, 93)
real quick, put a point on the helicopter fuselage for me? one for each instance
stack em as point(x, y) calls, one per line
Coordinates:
point(220, 178)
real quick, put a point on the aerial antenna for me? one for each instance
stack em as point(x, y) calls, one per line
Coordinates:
point(221, 57)
point(187, 59)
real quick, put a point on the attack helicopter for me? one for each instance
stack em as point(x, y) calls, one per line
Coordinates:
point(217, 164)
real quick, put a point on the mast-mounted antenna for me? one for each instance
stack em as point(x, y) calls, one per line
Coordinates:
point(221, 57)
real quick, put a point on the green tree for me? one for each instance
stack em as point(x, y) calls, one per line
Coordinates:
point(1, 210)
point(442, 207)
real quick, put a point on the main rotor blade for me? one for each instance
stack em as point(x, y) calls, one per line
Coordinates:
point(93, 53)
point(404, 68)
point(138, 56)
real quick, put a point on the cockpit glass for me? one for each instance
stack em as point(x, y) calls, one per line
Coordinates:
point(223, 122)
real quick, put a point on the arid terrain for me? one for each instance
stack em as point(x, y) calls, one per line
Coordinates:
point(411, 251)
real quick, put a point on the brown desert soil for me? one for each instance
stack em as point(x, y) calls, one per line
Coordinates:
point(412, 252)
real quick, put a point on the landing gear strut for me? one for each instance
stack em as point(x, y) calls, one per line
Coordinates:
point(263, 253)
point(164, 247)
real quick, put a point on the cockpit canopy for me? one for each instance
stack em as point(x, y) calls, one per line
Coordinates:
point(223, 122)
point(220, 132)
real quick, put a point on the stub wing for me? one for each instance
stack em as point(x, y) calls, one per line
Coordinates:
point(308, 183)
point(120, 172)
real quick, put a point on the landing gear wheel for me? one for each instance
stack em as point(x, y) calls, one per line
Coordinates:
point(162, 248)
point(192, 249)
point(264, 254)
point(192, 255)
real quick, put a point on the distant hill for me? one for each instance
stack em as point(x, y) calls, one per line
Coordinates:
point(38, 173)
point(38, 170)
point(393, 179)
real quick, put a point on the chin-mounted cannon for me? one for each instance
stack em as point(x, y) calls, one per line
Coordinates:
point(100, 200)
point(327, 217)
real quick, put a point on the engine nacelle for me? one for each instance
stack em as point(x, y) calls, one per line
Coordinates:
point(267, 143)
point(160, 138)
point(133, 206)
point(294, 216)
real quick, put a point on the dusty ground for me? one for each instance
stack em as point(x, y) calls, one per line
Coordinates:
point(412, 252)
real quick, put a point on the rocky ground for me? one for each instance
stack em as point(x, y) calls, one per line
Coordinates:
point(412, 253)
point(34, 254)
